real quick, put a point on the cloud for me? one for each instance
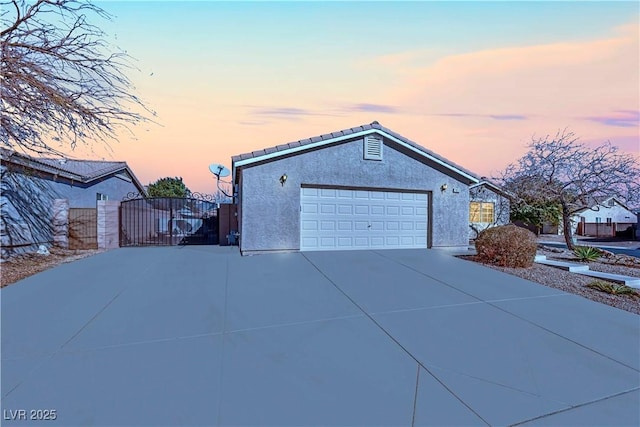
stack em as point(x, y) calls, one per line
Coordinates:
point(619, 118)
point(372, 108)
point(508, 117)
point(290, 113)
point(485, 116)
point(560, 80)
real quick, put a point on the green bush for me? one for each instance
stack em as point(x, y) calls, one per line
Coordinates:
point(612, 288)
point(586, 253)
point(507, 246)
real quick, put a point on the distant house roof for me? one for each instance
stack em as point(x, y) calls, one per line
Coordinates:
point(602, 202)
point(85, 171)
point(333, 137)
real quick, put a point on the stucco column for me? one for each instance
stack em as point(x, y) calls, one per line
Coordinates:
point(108, 224)
point(61, 223)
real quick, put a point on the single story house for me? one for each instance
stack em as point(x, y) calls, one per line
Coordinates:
point(489, 206)
point(604, 219)
point(31, 184)
point(366, 187)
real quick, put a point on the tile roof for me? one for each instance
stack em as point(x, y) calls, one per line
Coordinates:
point(77, 170)
point(347, 132)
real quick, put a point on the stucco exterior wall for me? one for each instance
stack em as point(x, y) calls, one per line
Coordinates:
point(270, 212)
point(501, 206)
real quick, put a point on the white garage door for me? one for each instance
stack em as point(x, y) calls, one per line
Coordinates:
point(338, 219)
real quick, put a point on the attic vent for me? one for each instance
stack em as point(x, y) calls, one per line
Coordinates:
point(611, 203)
point(372, 148)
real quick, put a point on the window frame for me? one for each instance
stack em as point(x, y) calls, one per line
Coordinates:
point(484, 210)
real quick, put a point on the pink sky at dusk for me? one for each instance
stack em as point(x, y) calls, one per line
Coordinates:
point(470, 81)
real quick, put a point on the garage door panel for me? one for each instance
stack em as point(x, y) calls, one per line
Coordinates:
point(407, 211)
point(362, 242)
point(392, 241)
point(393, 225)
point(327, 225)
point(360, 225)
point(376, 226)
point(311, 208)
point(309, 192)
point(327, 242)
point(361, 210)
point(309, 242)
point(326, 208)
point(345, 242)
point(345, 209)
point(393, 210)
point(359, 219)
point(377, 210)
point(345, 225)
point(377, 242)
point(328, 192)
point(309, 225)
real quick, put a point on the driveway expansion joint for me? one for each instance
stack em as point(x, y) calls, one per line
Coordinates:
point(511, 314)
point(572, 407)
point(403, 348)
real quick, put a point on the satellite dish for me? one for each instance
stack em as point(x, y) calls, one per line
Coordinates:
point(219, 170)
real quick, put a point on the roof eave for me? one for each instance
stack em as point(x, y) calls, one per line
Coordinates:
point(327, 141)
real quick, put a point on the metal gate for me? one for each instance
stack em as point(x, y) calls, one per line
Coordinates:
point(168, 221)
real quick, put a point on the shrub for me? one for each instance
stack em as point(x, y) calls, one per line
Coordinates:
point(586, 253)
point(507, 246)
point(612, 288)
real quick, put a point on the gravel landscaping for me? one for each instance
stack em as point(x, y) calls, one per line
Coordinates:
point(573, 282)
point(20, 266)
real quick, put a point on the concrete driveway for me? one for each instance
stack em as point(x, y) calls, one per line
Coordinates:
point(201, 336)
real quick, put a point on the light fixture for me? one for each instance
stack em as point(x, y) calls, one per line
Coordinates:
point(443, 187)
point(283, 179)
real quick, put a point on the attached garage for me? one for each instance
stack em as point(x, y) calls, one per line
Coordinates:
point(346, 219)
point(361, 188)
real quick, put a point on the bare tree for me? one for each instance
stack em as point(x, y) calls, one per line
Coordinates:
point(60, 78)
point(564, 171)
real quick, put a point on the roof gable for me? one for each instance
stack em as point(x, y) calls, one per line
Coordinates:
point(605, 203)
point(85, 171)
point(495, 188)
point(279, 151)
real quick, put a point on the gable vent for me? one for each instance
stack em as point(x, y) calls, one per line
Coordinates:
point(372, 147)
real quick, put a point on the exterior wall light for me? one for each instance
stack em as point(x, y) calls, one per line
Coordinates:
point(283, 179)
point(443, 187)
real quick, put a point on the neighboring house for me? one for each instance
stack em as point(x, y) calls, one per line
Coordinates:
point(30, 184)
point(361, 188)
point(604, 219)
point(488, 206)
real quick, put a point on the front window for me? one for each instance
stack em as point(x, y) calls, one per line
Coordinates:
point(481, 212)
